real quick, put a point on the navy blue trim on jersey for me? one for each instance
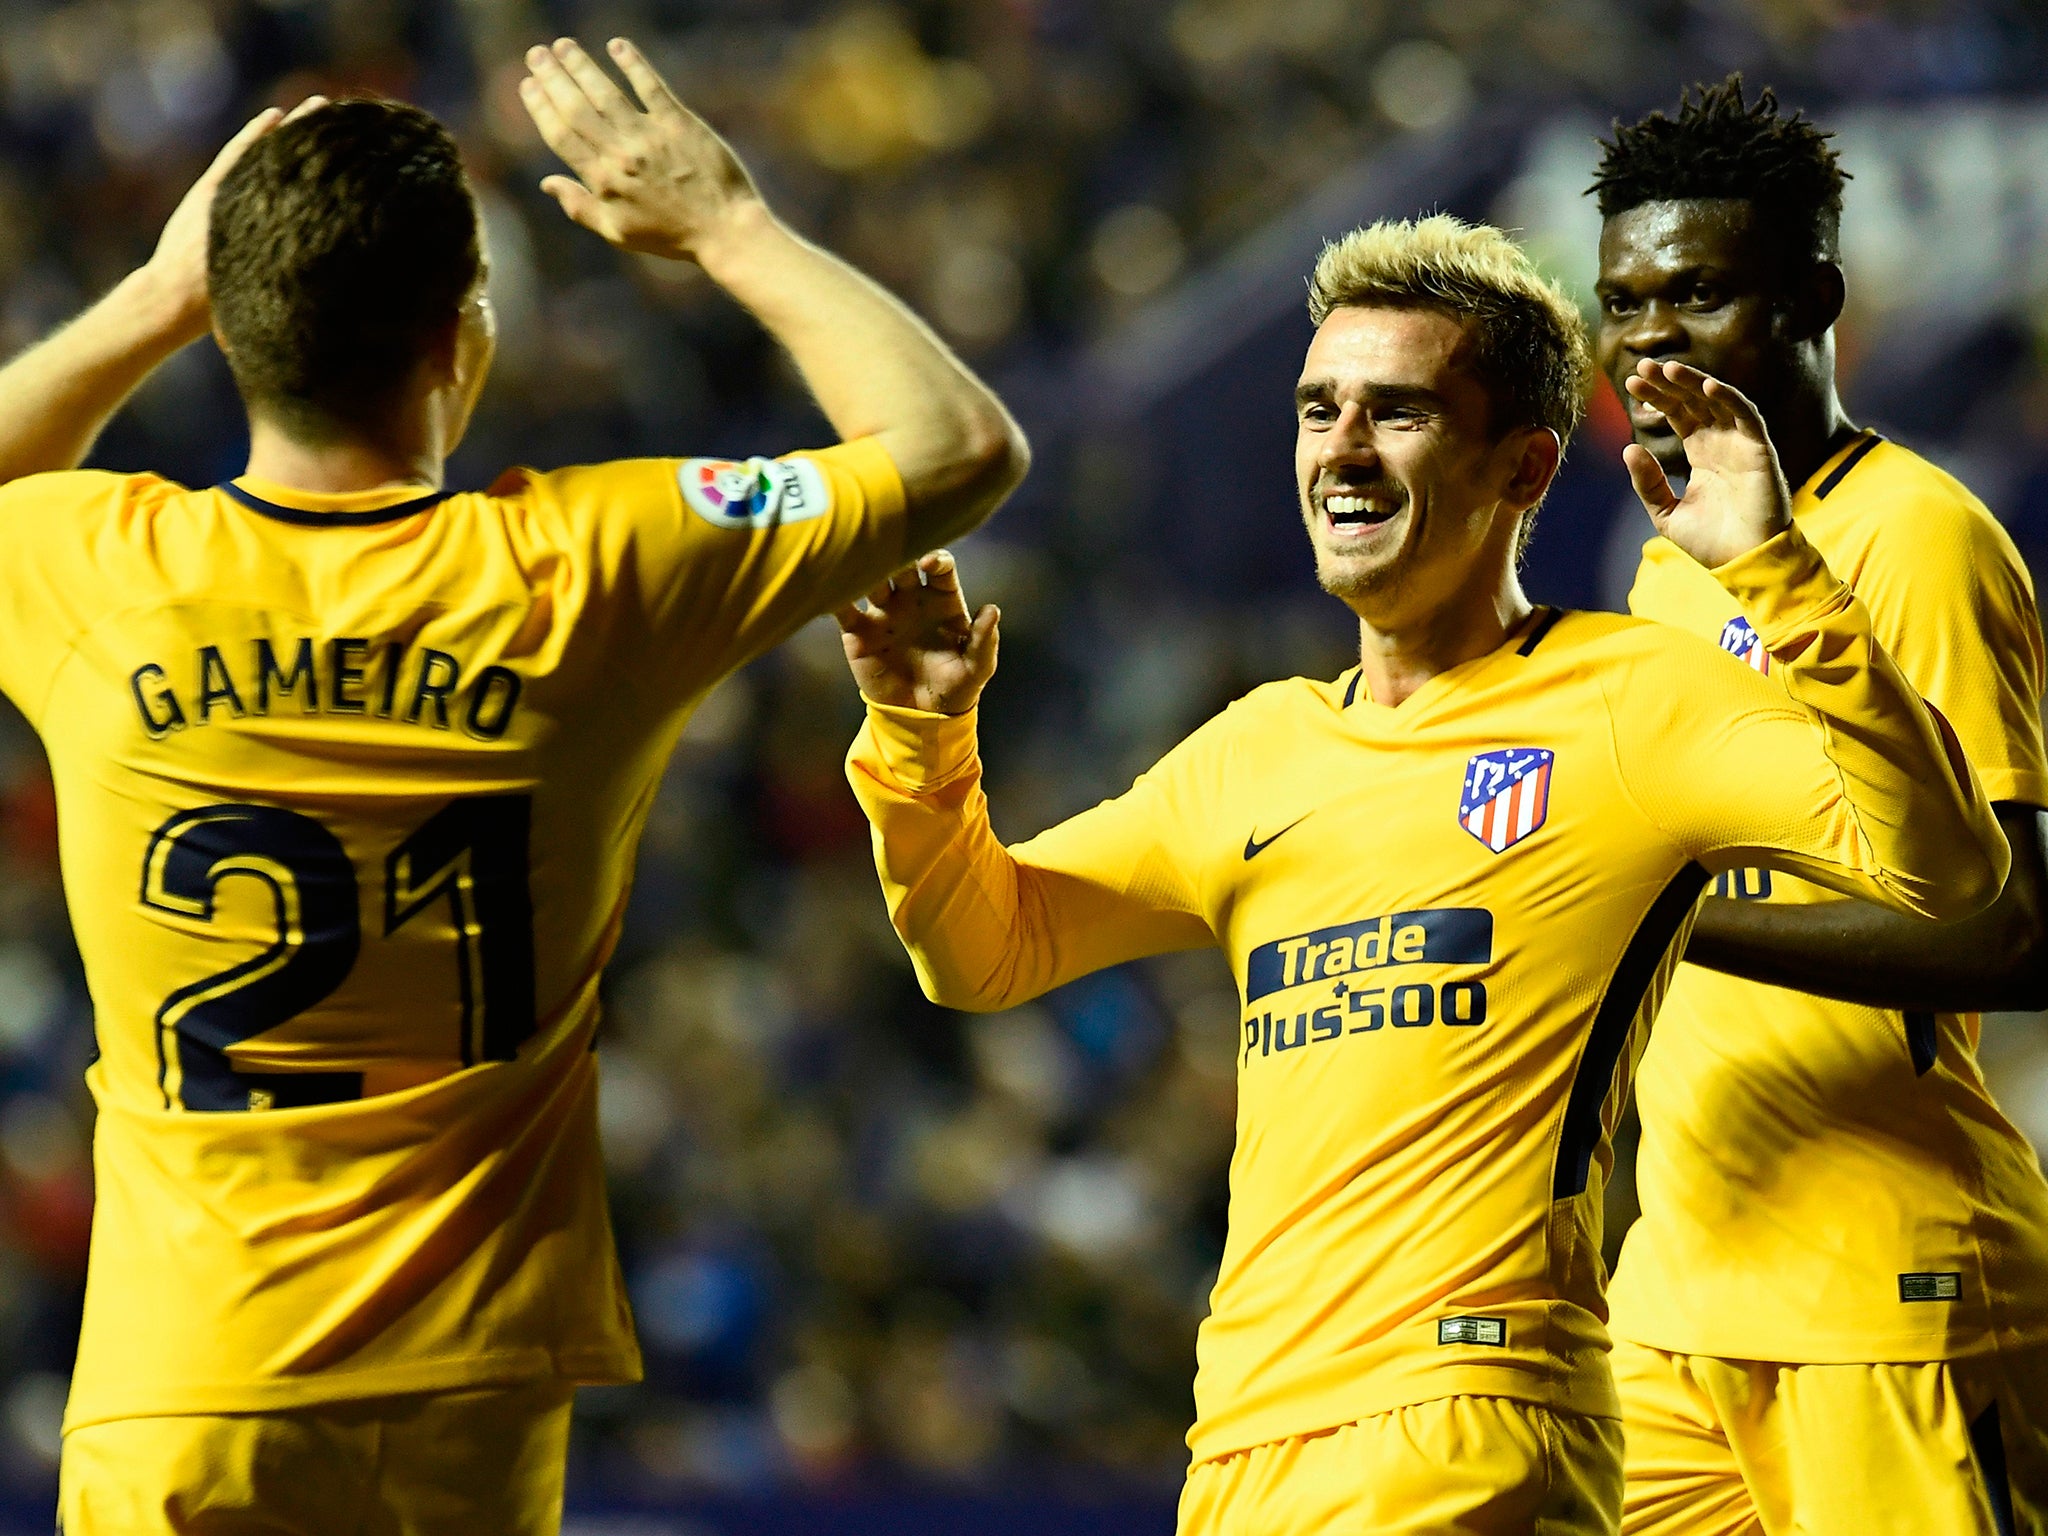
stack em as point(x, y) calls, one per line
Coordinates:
point(1605, 1041)
point(1352, 692)
point(1856, 456)
point(1543, 628)
point(1923, 1040)
point(305, 519)
point(1988, 1442)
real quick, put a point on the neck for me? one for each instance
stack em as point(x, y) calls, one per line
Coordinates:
point(345, 464)
point(1397, 656)
point(1808, 430)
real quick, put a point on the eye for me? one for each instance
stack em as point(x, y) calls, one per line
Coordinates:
point(1616, 304)
point(1318, 413)
point(1705, 296)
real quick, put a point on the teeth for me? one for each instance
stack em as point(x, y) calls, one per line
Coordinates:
point(1355, 506)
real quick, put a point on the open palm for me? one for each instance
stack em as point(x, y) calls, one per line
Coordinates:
point(910, 642)
point(1735, 497)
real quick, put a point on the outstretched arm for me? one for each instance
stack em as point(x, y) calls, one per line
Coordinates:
point(652, 177)
point(986, 926)
point(58, 396)
point(1846, 777)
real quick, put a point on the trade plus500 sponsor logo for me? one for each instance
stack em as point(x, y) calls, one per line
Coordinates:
point(1341, 962)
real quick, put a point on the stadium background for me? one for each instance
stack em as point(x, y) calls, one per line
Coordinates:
point(897, 1268)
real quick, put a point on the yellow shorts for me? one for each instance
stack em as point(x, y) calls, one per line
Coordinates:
point(486, 1463)
point(1473, 1466)
point(1746, 1448)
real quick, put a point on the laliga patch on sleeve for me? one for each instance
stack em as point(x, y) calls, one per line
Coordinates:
point(1931, 1285)
point(756, 493)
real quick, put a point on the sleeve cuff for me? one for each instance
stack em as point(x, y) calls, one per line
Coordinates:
point(1783, 587)
point(921, 750)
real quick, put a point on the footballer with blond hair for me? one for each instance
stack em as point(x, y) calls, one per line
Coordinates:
point(1452, 883)
point(350, 769)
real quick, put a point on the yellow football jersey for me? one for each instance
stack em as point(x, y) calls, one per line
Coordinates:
point(348, 791)
point(1448, 922)
point(1823, 1182)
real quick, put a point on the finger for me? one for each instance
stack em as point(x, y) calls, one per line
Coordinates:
point(1684, 409)
point(1734, 407)
point(939, 571)
point(310, 104)
point(1647, 476)
point(605, 98)
point(883, 592)
point(567, 98)
point(236, 147)
point(555, 130)
point(856, 621)
point(980, 651)
point(582, 205)
point(653, 91)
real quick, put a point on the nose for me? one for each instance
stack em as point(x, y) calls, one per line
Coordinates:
point(1655, 331)
point(1350, 439)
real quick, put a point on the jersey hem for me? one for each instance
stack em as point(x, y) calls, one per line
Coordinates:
point(1589, 1393)
point(506, 1368)
point(1835, 1349)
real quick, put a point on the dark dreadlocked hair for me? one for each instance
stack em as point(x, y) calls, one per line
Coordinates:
point(1721, 146)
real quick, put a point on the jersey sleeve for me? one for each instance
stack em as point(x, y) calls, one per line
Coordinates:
point(706, 563)
point(1843, 776)
point(1951, 601)
point(49, 592)
point(988, 927)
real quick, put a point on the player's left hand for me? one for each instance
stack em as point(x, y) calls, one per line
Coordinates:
point(1735, 497)
point(911, 643)
point(177, 267)
point(651, 176)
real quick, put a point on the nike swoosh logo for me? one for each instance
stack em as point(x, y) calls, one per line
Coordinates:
point(1253, 847)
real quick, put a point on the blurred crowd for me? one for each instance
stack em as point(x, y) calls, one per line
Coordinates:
point(865, 1237)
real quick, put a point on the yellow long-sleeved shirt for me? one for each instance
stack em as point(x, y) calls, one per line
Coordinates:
point(1449, 923)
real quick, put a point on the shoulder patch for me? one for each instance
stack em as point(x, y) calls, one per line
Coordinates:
point(754, 493)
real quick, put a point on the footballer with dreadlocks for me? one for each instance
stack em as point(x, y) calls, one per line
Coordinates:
point(1833, 1314)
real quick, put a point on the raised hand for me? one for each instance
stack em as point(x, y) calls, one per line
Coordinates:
point(1736, 497)
point(177, 267)
point(912, 644)
point(651, 176)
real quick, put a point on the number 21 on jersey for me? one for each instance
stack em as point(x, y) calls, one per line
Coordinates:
point(472, 854)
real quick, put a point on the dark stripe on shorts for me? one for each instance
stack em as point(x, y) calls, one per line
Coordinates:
point(1989, 1444)
point(1609, 1034)
point(1856, 456)
point(1923, 1040)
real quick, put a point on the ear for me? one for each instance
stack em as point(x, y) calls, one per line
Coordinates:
point(1540, 453)
point(1818, 305)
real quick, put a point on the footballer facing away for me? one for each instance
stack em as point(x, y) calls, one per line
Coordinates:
point(350, 770)
point(1453, 885)
point(1833, 1315)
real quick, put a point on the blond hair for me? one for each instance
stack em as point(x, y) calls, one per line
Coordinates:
point(1528, 340)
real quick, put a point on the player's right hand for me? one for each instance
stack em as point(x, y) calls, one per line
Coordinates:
point(650, 177)
point(910, 642)
point(178, 265)
point(1735, 497)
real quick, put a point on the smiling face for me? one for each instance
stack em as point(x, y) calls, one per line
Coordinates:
point(1408, 493)
point(1694, 281)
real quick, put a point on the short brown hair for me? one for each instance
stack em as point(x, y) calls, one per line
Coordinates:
point(1529, 340)
point(341, 246)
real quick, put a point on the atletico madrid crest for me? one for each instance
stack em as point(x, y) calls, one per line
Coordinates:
point(1507, 795)
point(1740, 640)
